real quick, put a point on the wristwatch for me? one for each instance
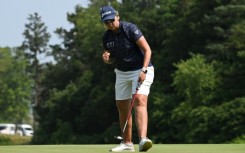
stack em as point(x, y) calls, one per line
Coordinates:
point(144, 70)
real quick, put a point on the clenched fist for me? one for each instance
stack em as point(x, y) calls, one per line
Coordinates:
point(106, 58)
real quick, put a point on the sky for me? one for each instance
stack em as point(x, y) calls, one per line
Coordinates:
point(14, 14)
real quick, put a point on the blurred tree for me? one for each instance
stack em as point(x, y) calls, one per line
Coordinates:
point(195, 80)
point(226, 45)
point(35, 44)
point(15, 87)
point(216, 124)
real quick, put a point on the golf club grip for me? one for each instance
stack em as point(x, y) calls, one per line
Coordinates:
point(138, 86)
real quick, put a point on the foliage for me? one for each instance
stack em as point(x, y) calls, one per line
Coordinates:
point(195, 80)
point(35, 43)
point(239, 140)
point(36, 38)
point(15, 87)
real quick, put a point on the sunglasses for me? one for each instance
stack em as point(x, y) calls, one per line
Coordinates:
point(109, 21)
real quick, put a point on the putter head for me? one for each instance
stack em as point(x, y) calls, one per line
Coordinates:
point(118, 137)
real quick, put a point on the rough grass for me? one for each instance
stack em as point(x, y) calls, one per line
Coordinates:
point(158, 148)
point(14, 140)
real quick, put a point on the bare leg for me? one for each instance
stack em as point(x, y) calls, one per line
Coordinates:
point(123, 107)
point(141, 115)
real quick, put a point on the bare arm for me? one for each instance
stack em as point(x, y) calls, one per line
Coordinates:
point(143, 44)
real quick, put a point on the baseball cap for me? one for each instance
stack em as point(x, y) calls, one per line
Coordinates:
point(107, 13)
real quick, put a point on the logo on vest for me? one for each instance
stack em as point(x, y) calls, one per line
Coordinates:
point(110, 44)
point(136, 32)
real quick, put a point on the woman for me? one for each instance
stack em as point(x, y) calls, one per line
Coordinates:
point(126, 47)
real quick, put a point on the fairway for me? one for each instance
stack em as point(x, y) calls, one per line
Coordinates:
point(158, 148)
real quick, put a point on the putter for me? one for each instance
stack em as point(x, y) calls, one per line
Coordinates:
point(129, 113)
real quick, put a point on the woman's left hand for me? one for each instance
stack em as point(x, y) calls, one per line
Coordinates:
point(142, 77)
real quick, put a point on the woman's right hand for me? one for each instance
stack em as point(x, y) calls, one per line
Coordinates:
point(106, 57)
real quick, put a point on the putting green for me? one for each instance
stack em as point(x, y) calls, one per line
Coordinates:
point(157, 148)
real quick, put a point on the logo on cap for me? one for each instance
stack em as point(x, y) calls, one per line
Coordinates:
point(105, 13)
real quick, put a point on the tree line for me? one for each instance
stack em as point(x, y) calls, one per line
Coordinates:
point(199, 58)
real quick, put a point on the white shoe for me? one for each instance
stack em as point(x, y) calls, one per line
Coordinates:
point(145, 144)
point(123, 147)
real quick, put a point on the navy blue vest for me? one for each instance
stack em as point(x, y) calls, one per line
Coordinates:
point(122, 46)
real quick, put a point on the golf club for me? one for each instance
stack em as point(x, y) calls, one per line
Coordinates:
point(129, 113)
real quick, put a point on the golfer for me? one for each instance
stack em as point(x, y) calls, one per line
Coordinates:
point(126, 47)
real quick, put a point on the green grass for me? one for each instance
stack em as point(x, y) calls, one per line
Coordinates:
point(158, 148)
point(14, 140)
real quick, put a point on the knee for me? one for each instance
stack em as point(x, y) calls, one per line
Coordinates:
point(141, 101)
